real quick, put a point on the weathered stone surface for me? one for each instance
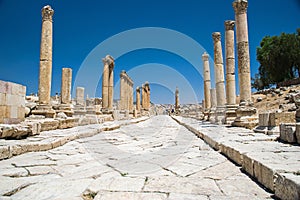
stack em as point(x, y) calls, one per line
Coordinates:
point(287, 186)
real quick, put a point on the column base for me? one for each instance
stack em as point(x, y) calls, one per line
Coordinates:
point(66, 108)
point(107, 111)
point(44, 110)
point(220, 115)
point(79, 110)
point(246, 117)
point(230, 113)
point(212, 115)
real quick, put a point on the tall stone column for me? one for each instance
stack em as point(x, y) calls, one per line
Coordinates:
point(138, 99)
point(207, 84)
point(230, 63)
point(131, 96)
point(246, 113)
point(240, 8)
point(219, 78)
point(230, 72)
point(143, 97)
point(107, 83)
point(44, 107)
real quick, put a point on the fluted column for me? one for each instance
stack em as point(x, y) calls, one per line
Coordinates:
point(219, 69)
point(207, 83)
point(240, 8)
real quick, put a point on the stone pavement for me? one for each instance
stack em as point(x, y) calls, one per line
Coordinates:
point(154, 159)
point(273, 164)
point(51, 139)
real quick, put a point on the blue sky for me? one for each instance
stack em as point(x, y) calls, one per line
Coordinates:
point(80, 26)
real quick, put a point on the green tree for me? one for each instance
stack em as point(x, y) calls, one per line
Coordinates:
point(279, 58)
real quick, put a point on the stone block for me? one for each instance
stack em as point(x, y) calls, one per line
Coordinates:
point(275, 119)
point(12, 111)
point(264, 175)
point(263, 119)
point(21, 113)
point(5, 87)
point(288, 133)
point(287, 186)
point(298, 132)
point(248, 165)
point(3, 99)
point(49, 125)
point(4, 152)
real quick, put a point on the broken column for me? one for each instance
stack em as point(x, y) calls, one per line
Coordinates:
point(44, 106)
point(245, 112)
point(66, 83)
point(107, 83)
point(219, 78)
point(230, 72)
point(147, 99)
point(79, 108)
point(177, 106)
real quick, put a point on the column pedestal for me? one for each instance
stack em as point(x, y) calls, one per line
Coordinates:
point(230, 113)
point(246, 116)
point(220, 115)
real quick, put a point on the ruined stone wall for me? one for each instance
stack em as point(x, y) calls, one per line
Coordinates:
point(12, 102)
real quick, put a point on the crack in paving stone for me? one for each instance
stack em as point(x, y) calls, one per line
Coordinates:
point(219, 186)
point(171, 171)
point(14, 191)
point(36, 165)
point(145, 183)
point(121, 173)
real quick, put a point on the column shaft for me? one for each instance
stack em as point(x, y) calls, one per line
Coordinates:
point(66, 83)
point(207, 83)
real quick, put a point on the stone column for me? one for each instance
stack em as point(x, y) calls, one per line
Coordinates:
point(79, 108)
point(219, 78)
point(44, 107)
point(240, 8)
point(230, 63)
point(107, 83)
point(143, 96)
point(147, 95)
point(138, 99)
point(177, 106)
point(66, 82)
point(219, 70)
point(207, 84)
point(111, 87)
point(246, 113)
point(230, 72)
point(80, 96)
point(131, 96)
point(122, 90)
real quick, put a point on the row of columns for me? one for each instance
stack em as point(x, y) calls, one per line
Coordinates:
point(216, 97)
point(126, 92)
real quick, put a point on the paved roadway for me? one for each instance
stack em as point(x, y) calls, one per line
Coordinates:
point(154, 159)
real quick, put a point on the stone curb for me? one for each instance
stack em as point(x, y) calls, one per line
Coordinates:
point(273, 164)
point(51, 139)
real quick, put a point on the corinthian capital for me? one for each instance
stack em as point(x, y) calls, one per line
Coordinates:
point(108, 60)
point(205, 56)
point(240, 6)
point(229, 25)
point(216, 36)
point(47, 13)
